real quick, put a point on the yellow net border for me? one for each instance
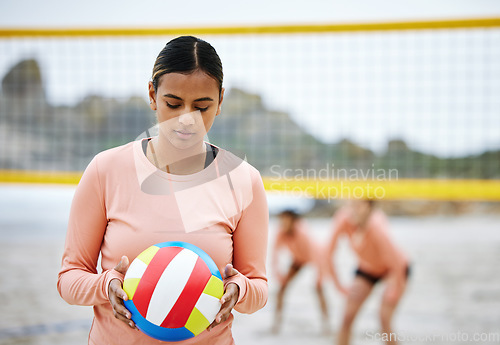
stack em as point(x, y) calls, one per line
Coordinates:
point(258, 29)
point(402, 189)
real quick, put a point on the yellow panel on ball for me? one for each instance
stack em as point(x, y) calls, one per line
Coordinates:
point(197, 323)
point(147, 255)
point(130, 285)
point(214, 287)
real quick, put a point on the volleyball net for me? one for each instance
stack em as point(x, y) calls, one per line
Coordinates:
point(386, 110)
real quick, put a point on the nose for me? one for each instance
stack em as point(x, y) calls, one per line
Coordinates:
point(187, 119)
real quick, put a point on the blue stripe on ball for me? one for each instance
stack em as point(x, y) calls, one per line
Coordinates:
point(160, 333)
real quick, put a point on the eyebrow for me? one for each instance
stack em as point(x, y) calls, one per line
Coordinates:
point(169, 95)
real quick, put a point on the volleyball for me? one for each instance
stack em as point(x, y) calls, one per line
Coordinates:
point(173, 291)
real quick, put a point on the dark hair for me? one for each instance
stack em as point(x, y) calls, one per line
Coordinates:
point(371, 203)
point(290, 213)
point(186, 54)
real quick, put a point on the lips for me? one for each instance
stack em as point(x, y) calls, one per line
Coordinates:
point(183, 134)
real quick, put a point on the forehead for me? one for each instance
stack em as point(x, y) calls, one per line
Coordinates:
point(359, 202)
point(194, 84)
point(285, 216)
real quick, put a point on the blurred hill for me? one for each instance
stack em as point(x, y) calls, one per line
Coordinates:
point(39, 136)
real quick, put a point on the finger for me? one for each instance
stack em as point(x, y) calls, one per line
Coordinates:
point(116, 298)
point(115, 286)
point(228, 301)
point(122, 265)
point(230, 271)
point(122, 313)
point(129, 322)
point(118, 307)
point(222, 315)
point(225, 298)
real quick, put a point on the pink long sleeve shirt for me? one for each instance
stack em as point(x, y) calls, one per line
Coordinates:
point(303, 249)
point(376, 251)
point(124, 204)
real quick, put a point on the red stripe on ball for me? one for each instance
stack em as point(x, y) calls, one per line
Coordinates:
point(150, 278)
point(184, 305)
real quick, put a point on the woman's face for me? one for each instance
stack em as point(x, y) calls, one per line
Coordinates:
point(360, 211)
point(286, 224)
point(186, 106)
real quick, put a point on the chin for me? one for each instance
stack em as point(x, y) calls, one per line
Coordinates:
point(185, 144)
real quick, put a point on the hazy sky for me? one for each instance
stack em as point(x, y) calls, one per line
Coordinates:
point(229, 12)
point(436, 90)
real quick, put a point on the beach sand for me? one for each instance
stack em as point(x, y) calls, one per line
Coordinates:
point(453, 294)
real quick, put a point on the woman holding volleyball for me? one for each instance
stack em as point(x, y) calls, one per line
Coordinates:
point(170, 187)
point(379, 259)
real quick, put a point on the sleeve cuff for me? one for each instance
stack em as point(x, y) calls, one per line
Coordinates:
point(110, 275)
point(240, 280)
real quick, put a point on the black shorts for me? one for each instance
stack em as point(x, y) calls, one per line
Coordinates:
point(375, 279)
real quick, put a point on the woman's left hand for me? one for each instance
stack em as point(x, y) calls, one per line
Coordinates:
point(229, 299)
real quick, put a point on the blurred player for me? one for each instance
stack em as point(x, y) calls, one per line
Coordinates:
point(378, 259)
point(293, 236)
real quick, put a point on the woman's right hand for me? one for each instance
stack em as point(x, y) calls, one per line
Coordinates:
point(117, 295)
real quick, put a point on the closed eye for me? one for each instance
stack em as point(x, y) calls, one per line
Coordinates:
point(202, 109)
point(173, 106)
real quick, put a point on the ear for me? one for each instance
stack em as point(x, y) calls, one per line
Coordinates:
point(220, 101)
point(152, 96)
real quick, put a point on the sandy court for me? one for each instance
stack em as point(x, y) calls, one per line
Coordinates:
point(453, 295)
